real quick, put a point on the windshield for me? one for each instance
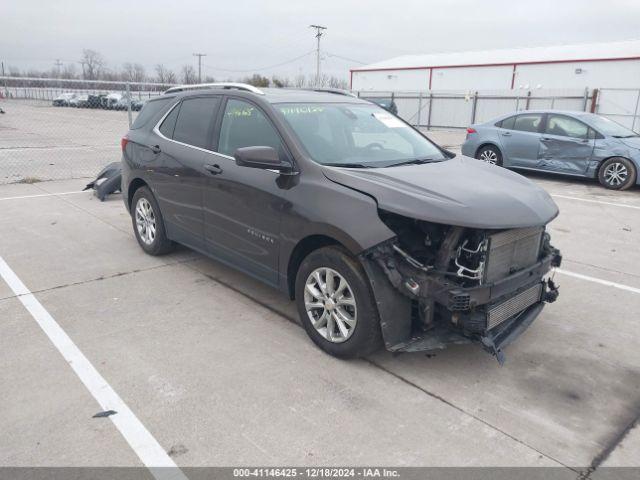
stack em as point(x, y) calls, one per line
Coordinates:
point(609, 127)
point(355, 135)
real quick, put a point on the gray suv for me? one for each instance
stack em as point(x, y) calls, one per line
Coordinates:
point(379, 235)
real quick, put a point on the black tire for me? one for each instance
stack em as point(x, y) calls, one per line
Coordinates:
point(365, 336)
point(487, 153)
point(160, 244)
point(609, 174)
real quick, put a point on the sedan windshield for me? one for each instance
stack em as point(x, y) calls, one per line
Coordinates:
point(357, 136)
point(610, 128)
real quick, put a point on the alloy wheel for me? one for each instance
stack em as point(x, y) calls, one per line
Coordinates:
point(330, 304)
point(145, 221)
point(489, 156)
point(615, 174)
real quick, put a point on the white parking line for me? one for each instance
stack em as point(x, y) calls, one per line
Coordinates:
point(598, 280)
point(623, 205)
point(41, 195)
point(152, 455)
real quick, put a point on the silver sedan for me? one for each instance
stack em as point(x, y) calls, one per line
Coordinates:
point(571, 143)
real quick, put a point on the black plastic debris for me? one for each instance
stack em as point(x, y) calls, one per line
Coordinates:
point(106, 413)
point(107, 182)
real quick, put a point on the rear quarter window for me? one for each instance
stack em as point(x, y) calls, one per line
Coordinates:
point(149, 111)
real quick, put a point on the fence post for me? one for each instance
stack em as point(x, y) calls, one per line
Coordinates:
point(474, 105)
point(594, 100)
point(635, 113)
point(586, 98)
point(419, 107)
point(129, 104)
point(430, 107)
point(528, 100)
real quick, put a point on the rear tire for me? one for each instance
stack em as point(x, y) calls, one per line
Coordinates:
point(148, 224)
point(617, 173)
point(336, 305)
point(489, 154)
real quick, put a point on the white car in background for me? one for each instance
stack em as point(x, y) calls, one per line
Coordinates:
point(63, 99)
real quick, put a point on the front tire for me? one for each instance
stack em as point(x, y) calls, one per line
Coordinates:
point(148, 225)
point(617, 173)
point(489, 154)
point(336, 305)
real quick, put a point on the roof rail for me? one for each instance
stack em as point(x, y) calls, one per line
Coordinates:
point(223, 85)
point(337, 91)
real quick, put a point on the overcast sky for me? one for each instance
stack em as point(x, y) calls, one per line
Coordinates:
point(251, 34)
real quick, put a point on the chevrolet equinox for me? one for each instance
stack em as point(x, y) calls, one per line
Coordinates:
point(379, 235)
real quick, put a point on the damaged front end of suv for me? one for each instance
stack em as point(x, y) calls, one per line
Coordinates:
point(441, 284)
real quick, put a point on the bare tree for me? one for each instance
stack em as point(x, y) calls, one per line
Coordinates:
point(164, 75)
point(257, 80)
point(341, 83)
point(189, 75)
point(69, 71)
point(92, 64)
point(300, 81)
point(133, 72)
point(280, 82)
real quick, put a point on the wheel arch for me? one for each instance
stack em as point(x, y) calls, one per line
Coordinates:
point(601, 163)
point(302, 249)
point(489, 143)
point(134, 185)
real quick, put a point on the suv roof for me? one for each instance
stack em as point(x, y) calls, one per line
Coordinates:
point(271, 95)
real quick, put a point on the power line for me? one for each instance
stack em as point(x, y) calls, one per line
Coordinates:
point(345, 58)
point(319, 33)
point(261, 68)
point(199, 55)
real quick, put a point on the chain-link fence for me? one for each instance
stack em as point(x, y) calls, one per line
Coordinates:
point(58, 129)
point(451, 110)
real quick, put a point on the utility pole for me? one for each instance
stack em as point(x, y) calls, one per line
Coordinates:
point(319, 33)
point(58, 65)
point(82, 62)
point(199, 55)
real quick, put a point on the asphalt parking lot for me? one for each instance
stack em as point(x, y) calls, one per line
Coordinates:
point(216, 370)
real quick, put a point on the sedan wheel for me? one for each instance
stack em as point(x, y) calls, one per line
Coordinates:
point(330, 304)
point(490, 155)
point(616, 174)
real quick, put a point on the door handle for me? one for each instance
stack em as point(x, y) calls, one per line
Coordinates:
point(506, 134)
point(155, 148)
point(545, 139)
point(213, 169)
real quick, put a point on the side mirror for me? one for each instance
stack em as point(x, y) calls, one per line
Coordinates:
point(266, 158)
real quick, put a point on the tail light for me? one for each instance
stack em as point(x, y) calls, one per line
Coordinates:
point(123, 142)
point(471, 130)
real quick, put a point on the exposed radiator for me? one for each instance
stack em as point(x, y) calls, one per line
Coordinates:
point(512, 250)
point(505, 310)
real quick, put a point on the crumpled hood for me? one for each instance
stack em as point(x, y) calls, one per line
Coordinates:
point(461, 191)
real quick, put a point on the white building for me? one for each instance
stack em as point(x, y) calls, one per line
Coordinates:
point(609, 65)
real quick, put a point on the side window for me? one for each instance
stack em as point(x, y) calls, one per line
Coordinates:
point(566, 127)
point(244, 125)
point(193, 125)
point(149, 110)
point(527, 122)
point(169, 123)
point(507, 123)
